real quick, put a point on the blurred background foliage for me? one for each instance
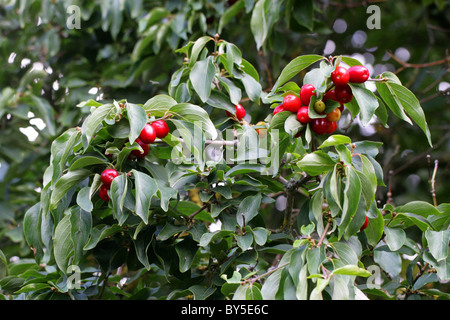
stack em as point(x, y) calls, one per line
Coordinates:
point(127, 49)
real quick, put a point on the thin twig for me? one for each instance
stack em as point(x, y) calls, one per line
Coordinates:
point(322, 237)
point(433, 181)
point(405, 65)
point(253, 279)
point(206, 205)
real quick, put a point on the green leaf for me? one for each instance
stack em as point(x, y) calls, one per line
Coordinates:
point(292, 126)
point(367, 102)
point(395, 238)
point(334, 140)
point(84, 199)
point(351, 61)
point(352, 270)
point(85, 161)
point(248, 209)
point(229, 14)
point(438, 242)
point(62, 147)
point(279, 119)
point(198, 46)
point(294, 67)
point(137, 118)
point(31, 230)
point(71, 234)
point(201, 77)
point(391, 262)
point(95, 119)
point(316, 163)
point(146, 188)
point(253, 292)
point(252, 87)
point(304, 14)
point(186, 251)
point(234, 92)
point(352, 196)
point(258, 23)
point(65, 183)
point(165, 192)
point(197, 116)
point(118, 191)
point(412, 107)
point(244, 241)
point(159, 105)
point(374, 230)
point(100, 232)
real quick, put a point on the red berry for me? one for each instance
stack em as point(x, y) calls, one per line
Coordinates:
point(366, 223)
point(358, 74)
point(306, 92)
point(340, 76)
point(319, 125)
point(103, 192)
point(280, 108)
point(240, 112)
point(148, 134)
point(292, 103)
point(329, 95)
point(303, 116)
point(343, 93)
point(331, 127)
point(108, 176)
point(161, 128)
point(145, 147)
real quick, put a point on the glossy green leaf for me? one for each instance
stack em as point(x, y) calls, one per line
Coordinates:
point(293, 68)
point(137, 118)
point(395, 238)
point(367, 101)
point(316, 163)
point(65, 183)
point(201, 77)
point(352, 196)
point(145, 189)
point(248, 209)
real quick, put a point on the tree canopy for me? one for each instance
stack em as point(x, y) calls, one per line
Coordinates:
point(81, 79)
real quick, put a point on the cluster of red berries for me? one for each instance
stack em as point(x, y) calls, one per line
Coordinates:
point(107, 176)
point(341, 93)
point(157, 129)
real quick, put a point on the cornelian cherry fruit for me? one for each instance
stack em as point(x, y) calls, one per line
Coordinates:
point(292, 103)
point(343, 93)
point(279, 108)
point(108, 175)
point(103, 192)
point(319, 125)
point(306, 92)
point(334, 115)
point(148, 134)
point(145, 147)
point(358, 74)
point(161, 128)
point(303, 116)
point(340, 76)
point(331, 127)
point(366, 223)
